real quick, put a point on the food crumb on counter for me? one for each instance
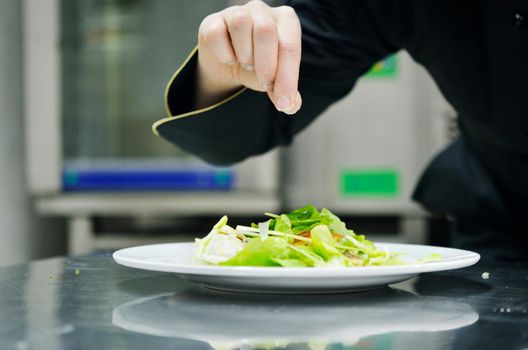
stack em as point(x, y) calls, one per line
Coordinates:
point(50, 277)
point(77, 272)
point(485, 275)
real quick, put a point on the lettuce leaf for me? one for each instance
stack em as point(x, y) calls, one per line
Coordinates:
point(201, 244)
point(218, 245)
point(325, 245)
point(333, 222)
point(274, 251)
point(325, 241)
point(307, 255)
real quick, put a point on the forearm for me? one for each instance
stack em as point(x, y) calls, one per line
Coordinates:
point(244, 124)
point(234, 125)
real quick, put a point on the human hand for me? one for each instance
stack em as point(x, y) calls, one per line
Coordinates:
point(255, 46)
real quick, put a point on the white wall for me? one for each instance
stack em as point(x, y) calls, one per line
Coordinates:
point(23, 236)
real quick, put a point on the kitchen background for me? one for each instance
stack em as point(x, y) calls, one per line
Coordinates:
point(82, 81)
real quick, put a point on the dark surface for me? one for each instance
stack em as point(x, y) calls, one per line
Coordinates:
point(48, 305)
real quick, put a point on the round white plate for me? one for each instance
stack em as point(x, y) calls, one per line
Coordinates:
point(176, 258)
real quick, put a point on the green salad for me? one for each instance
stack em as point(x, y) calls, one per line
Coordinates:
point(304, 237)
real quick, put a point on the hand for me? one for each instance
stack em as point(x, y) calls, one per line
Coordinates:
point(255, 46)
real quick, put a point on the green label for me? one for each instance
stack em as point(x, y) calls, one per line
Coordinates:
point(386, 68)
point(370, 183)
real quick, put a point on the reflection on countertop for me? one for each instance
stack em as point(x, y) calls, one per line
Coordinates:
point(251, 321)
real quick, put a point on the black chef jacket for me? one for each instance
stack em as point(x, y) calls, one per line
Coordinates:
point(476, 51)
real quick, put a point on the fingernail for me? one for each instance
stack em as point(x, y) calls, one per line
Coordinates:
point(230, 62)
point(296, 106)
point(266, 86)
point(298, 101)
point(248, 67)
point(284, 104)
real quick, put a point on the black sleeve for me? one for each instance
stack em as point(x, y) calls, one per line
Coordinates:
point(341, 40)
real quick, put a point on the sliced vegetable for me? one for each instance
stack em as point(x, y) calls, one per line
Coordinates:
point(257, 252)
point(304, 237)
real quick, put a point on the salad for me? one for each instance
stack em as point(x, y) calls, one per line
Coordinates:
point(304, 237)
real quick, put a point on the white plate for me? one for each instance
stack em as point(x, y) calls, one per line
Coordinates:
point(176, 258)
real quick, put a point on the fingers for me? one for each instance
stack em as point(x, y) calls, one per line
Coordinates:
point(240, 26)
point(214, 34)
point(265, 43)
point(285, 94)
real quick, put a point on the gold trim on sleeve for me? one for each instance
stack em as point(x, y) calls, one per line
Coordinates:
point(166, 94)
point(198, 111)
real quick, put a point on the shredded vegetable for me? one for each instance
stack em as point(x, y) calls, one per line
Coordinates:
point(304, 237)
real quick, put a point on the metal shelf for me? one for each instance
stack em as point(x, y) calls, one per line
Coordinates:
point(179, 203)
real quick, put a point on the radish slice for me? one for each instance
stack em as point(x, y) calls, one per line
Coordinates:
point(263, 229)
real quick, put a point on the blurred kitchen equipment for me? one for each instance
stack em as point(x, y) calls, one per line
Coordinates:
point(95, 71)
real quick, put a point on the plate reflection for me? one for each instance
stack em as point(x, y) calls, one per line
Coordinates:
point(246, 321)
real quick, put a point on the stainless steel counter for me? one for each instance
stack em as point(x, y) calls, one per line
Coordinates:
point(89, 302)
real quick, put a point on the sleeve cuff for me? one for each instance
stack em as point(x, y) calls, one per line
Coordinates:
point(179, 93)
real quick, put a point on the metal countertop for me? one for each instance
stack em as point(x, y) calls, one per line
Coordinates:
point(89, 302)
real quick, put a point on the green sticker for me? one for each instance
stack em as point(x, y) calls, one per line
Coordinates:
point(386, 68)
point(370, 183)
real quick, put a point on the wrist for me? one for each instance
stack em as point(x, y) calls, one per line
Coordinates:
point(211, 87)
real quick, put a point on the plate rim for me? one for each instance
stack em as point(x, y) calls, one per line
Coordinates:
point(465, 258)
